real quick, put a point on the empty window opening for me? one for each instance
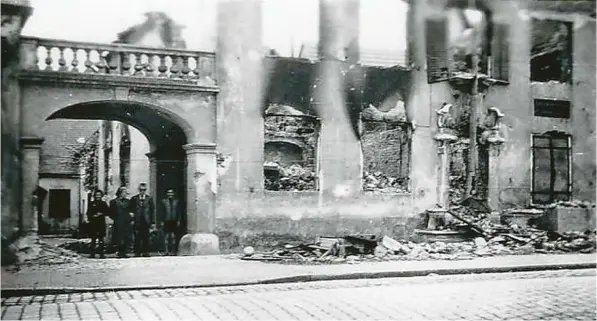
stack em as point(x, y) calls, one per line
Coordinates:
point(385, 140)
point(551, 168)
point(59, 204)
point(452, 40)
point(290, 148)
point(551, 51)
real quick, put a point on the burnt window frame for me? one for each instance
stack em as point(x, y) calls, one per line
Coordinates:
point(495, 58)
point(551, 192)
point(569, 48)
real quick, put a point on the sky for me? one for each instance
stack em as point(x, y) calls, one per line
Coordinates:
point(285, 22)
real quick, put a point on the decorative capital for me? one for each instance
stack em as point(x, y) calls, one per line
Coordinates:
point(495, 140)
point(32, 142)
point(444, 117)
point(14, 16)
point(196, 148)
point(445, 135)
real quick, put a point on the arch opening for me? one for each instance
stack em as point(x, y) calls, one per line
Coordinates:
point(132, 143)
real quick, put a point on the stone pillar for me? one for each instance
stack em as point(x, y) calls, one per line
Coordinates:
point(101, 157)
point(14, 16)
point(201, 192)
point(153, 175)
point(30, 168)
point(443, 139)
point(340, 149)
point(115, 181)
point(493, 191)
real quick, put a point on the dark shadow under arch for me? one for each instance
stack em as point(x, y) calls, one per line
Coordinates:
point(161, 127)
point(166, 132)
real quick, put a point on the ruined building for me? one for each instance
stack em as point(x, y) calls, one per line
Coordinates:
point(328, 144)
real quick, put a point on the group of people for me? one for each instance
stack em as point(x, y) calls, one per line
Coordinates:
point(134, 218)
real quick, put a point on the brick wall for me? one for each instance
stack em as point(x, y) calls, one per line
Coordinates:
point(386, 152)
point(298, 131)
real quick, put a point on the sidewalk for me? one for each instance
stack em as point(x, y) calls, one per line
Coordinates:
point(204, 271)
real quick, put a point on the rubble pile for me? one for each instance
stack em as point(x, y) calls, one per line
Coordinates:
point(382, 183)
point(30, 250)
point(493, 239)
point(289, 178)
point(358, 248)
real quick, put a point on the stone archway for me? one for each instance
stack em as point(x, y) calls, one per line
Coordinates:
point(164, 159)
point(164, 131)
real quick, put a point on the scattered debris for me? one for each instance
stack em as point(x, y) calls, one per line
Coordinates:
point(379, 182)
point(31, 250)
point(290, 178)
point(492, 239)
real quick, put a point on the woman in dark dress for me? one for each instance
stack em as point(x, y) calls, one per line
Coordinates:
point(123, 230)
point(96, 214)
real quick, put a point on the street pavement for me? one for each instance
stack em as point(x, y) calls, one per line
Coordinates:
point(545, 295)
point(220, 270)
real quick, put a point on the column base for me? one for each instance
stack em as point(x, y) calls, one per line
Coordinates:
point(199, 244)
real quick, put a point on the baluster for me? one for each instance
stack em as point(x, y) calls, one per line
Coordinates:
point(113, 62)
point(175, 69)
point(102, 64)
point(185, 68)
point(75, 62)
point(162, 68)
point(149, 66)
point(138, 65)
point(126, 64)
point(197, 70)
point(37, 58)
point(62, 61)
point(88, 62)
point(49, 59)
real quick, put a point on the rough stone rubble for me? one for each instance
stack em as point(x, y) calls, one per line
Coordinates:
point(289, 178)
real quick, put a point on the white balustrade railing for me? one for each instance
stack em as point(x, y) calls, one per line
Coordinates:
point(117, 59)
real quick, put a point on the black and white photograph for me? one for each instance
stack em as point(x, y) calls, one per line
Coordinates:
point(298, 160)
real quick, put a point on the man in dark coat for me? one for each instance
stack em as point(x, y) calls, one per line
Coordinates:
point(96, 215)
point(120, 213)
point(143, 209)
point(169, 218)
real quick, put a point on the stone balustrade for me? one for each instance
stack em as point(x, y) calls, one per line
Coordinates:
point(60, 56)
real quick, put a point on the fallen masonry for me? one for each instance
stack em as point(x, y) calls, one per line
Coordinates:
point(381, 183)
point(31, 250)
point(491, 239)
point(288, 178)
point(354, 248)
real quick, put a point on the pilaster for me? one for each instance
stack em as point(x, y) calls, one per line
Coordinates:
point(201, 187)
point(31, 147)
point(201, 205)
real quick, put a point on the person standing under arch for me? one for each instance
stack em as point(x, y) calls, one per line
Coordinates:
point(120, 213)
point(143, 209)
point(170, 216)
point(96, 214)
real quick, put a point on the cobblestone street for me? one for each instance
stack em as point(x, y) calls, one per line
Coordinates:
point(556, 295)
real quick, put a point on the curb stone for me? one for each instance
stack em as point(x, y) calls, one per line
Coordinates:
point(5, 293)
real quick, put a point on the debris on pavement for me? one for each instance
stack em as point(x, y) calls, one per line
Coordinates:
point(31, 250)
point(507, 238)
